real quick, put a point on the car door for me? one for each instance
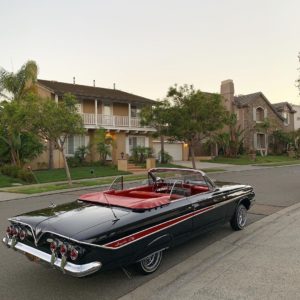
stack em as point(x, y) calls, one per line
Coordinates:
point(208, 208)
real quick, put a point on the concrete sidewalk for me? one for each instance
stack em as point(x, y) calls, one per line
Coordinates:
point(226, 167)
point(260, 262)
point(5, 196)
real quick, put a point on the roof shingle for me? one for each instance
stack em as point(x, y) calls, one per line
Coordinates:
point(91, 92)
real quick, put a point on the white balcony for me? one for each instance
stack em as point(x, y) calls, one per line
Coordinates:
point(112, 121)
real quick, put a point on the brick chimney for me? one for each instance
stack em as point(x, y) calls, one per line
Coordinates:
point(227, 93)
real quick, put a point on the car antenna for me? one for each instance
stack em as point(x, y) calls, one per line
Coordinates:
point(110, 188)
point(116, 218)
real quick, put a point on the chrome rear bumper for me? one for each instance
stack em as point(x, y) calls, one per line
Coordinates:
point(43, 257)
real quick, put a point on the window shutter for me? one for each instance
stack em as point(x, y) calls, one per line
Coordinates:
point(254, 114)
point(265, 113)
point(255, 141)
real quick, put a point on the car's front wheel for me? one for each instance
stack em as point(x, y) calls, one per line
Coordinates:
point(239, 219)
point(150, 264)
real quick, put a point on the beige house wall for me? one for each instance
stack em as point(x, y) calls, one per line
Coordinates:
point(119, 146)
point(88, 106)
point(43, 92)
point(120, 109)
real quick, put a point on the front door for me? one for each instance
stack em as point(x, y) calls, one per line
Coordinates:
point(208, 209)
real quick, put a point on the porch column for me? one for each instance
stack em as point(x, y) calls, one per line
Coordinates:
point(56, 98)
point(129, 114)
point(96, 112)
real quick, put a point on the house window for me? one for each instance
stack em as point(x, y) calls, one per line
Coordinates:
point(73, 142)
point(261, 141)
point(135, 141)
point(286, 118)
point(260, 114)
point(107, 111)
point(135, 111)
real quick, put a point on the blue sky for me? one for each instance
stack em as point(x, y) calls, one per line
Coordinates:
point(147, 46)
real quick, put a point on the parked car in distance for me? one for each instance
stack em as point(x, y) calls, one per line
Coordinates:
point(118, 227)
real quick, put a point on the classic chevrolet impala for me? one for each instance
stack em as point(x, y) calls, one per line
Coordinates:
point(119, 227)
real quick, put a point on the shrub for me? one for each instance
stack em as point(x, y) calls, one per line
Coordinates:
point(139, 154)
point(10, 170)
point(167, 157)
point(26, 176)
point(81, 153)
point(73, 162)
point(16, 172)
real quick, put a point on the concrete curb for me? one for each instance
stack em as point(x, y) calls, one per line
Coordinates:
point(206, 258)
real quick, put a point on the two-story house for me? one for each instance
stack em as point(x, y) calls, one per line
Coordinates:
point(252, 111)
point(111, 109)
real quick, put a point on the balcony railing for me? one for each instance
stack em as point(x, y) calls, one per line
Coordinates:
point(111, 121)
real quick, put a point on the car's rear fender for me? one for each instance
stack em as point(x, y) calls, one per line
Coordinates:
point(155, 244)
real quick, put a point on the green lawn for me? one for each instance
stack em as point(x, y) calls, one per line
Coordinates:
point(8, 181)
point(33, 189)
point(77, 173)
point(260, 160)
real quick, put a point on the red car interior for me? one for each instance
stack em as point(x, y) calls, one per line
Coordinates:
point(141, 198)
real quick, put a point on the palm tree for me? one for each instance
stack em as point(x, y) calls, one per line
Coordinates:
point(14, 86)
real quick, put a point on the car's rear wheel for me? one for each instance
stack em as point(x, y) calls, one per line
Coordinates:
point(150, 264)
point(239, 219)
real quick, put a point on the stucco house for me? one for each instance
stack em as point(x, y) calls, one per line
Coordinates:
point(111, 109)
point(251, 111)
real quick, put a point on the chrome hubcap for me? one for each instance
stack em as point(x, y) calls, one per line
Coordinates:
point(242, 216)
point(151, 262)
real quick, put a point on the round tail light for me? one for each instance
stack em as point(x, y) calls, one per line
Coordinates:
point(22, 234)
point(9, 231)
point(53, 246)
point(74, 254)
point(15, 231)
point(63, 250)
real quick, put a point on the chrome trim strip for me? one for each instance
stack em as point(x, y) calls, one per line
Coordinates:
point(70, 268)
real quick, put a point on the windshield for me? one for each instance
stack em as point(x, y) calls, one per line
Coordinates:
point(173, 175)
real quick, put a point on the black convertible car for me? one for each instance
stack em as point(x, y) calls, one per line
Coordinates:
point(118, 227)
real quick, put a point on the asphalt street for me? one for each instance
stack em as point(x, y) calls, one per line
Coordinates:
point(275, 188)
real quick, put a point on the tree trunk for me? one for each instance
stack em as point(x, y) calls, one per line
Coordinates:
point(193, 156)
point(162, 149)
point(66, 166)
point(51, 163)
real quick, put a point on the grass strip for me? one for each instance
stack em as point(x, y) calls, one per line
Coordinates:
point(34, 189)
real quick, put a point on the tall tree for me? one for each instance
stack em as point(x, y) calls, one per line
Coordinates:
point(14, 86)
point(156, 116)
point(194, 115)
point(54, 122)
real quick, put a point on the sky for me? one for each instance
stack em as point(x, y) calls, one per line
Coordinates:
point(147, 46)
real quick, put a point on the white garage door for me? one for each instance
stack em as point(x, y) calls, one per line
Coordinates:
point(174, 149)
